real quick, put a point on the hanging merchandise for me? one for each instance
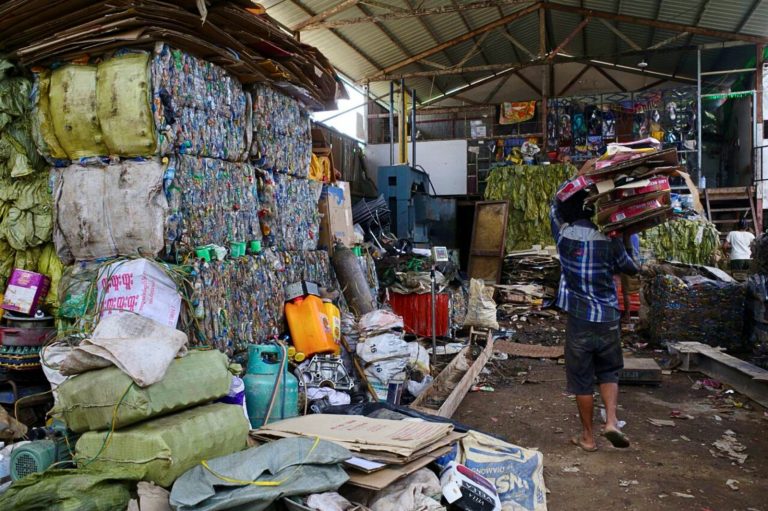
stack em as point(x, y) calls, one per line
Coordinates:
point(282, 138)
point(240, 301)
point(289, 214)
point(513, 113)
point(199, 108)
point(121, 207)
point(530, 190)
point(210, 202)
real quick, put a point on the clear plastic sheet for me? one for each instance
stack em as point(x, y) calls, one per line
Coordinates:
point(210, 202)
point(290, 219)
point(199, 108)
point(282, 137)
point(240, 301)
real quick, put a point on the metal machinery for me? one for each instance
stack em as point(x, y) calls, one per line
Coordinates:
point(50, 445)
point(413, 210)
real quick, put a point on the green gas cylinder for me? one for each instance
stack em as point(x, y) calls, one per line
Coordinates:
point(265, 362)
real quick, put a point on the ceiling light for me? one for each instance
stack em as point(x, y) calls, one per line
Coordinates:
point(642, 64)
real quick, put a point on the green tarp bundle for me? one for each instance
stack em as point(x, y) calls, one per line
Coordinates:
point(87, 401)
point(160, 450)
point(529, 190)
point(68, 490)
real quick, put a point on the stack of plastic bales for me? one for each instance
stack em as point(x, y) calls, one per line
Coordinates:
point(26, 221)
point(158, 432)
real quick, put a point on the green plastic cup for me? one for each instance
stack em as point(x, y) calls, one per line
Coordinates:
point(203, 253)
point(357, 251)
point(256, 246)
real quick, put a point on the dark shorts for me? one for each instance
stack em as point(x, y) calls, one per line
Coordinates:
point(592, 352)
point(740, 264)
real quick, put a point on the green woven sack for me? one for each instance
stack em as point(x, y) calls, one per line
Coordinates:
point(87, 401)
point(161, 450)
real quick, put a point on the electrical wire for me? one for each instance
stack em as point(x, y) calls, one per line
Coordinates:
point(108, 437)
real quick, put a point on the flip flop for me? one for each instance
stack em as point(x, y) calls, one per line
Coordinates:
point(617, 438)
point(575, 441)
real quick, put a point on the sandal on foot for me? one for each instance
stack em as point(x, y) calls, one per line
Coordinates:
point(617, 438)
point(577, 442)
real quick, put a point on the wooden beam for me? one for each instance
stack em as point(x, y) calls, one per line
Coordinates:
point(454, 41)
point(542, 32)
point(665, 25)
point(574, 80)
point(346, 4)
point(569, 38)
point(411, 13)
point(651, 85)
point(473, 51)
point(610, 78)
point(624, 37)
point(475, 84)
point(518, 44)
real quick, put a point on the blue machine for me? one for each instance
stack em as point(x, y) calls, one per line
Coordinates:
point(412, 208)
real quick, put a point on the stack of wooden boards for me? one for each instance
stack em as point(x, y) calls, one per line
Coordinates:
point(385, 450)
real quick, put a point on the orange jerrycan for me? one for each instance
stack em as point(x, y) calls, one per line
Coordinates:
point(310, 328)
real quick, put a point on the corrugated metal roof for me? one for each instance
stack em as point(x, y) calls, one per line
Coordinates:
point(362, 50)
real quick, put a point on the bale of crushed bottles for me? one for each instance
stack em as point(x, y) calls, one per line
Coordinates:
point(240, 301)
point(289, 216)
point(199, 108)
point(757, 318)
point(210, 201)
point(282, 136)
point(760, 255)
point(696, 309)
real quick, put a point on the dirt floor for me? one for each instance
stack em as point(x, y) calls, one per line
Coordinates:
point(666, 467)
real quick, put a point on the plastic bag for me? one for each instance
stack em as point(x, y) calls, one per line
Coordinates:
point(481, 310)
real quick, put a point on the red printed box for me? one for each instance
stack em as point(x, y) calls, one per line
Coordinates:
point(657, 184)
point(574, 186)
point(25, 291)
point(634, 210)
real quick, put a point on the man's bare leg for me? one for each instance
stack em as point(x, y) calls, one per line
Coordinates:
point(585, 403)
point(610, 395)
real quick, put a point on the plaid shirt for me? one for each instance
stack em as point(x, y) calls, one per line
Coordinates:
point(589, 260)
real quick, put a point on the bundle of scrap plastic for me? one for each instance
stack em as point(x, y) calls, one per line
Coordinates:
point(687, 241)
point(289, 216)
point(210, 202)
point(199, 109)
point(241, 301)
point(28, 219)
point(696, 309)
point(529, 190)
point(760, 255)
point(282, 137)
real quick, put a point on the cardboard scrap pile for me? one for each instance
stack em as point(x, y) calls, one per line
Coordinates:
point(386, 450)
point(629, 186)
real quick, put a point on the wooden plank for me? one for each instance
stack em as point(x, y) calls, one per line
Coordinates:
point(451, 404)
point(486, 252)
point(746, 378)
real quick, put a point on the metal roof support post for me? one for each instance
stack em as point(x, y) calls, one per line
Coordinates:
point(698, 115)
point(391, 123)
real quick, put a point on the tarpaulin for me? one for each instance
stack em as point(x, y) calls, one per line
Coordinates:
point(295, 466)
point(87, 401)
point(289, 214)
point(109, 210)
point(42, 127)
point(210, 202)
point(199, 108)
point(282, 139)
point(162, 449)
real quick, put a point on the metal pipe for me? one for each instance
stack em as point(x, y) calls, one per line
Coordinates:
point(729, 71)
point(413, 126)
point(391, 123)
point(434, 316)
point(698, 114)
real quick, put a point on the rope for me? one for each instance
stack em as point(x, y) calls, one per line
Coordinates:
point(290, 476)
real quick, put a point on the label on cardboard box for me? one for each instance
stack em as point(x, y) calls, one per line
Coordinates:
point(336, 208)
point(139, 286)
point(572, 187)
point(657, 184)
point(634, 210)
